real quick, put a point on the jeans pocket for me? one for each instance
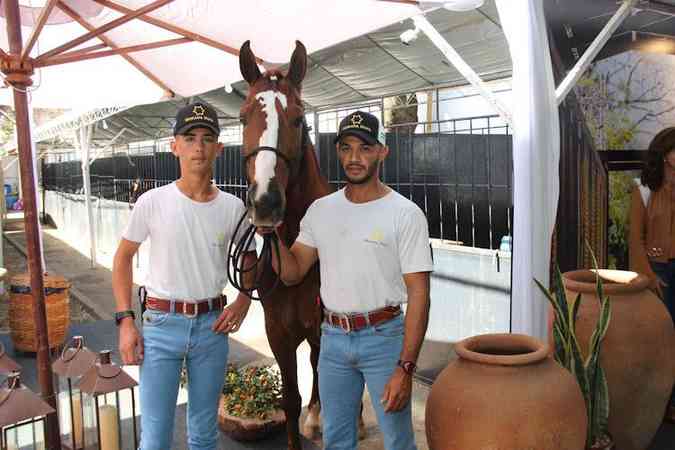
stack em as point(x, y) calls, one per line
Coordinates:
point(152, 318)
point(391, 328)
point(327, 328)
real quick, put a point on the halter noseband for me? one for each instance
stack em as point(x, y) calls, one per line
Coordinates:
point(292, 164)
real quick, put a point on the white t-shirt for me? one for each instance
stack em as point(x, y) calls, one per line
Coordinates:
point(189, 241)
point(365, 248)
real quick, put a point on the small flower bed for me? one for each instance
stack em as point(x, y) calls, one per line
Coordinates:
point(252, 392)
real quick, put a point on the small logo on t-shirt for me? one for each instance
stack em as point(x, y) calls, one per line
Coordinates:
point(220, 240)
point(376, 237)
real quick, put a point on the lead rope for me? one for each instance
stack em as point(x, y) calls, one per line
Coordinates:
point(235, 257)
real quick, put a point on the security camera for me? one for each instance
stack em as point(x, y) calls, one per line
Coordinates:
point(409, 36)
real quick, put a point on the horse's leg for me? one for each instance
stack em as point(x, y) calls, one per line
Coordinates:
point(362, 424)
point(312, 426)
point(291, 402)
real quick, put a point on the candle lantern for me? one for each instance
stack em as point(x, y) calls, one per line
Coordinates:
point(22, 416)
point(108, 398)
point(74, 362)
point(7, 365)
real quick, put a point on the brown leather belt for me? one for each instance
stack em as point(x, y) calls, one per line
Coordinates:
point(358, 321)
point(190, 309)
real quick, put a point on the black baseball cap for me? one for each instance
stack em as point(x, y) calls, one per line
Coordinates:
point(363, 125)
point(194, 115)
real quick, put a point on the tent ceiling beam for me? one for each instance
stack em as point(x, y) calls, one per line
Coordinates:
point(95, 32)
point(659, 7)
point(79, 19)
point(169, 27)
point(65, 59)
point(42, 20)
point(467, 72)
point(592, 51)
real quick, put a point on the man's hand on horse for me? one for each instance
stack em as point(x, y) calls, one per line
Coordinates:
point(397, 391)
point(130, 343)
point(233, 316)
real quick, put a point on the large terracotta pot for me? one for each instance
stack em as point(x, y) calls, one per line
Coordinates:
point(505, 392)
point(638, 353)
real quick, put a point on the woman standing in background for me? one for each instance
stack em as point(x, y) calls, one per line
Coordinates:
point(652, 224)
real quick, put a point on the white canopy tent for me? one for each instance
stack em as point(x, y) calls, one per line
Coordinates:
point(209, 62)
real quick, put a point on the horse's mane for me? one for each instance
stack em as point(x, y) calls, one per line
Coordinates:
point(308, 186)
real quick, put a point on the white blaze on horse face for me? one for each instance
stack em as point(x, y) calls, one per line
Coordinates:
point(266, 161)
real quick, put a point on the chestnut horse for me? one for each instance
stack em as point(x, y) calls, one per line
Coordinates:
point(284, 179)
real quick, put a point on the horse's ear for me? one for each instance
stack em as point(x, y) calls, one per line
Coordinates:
point(298, 66)
point(247, 65)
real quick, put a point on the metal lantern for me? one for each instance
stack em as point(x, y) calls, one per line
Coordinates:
point(22, 416)
point(74, 362)
point(108, 397)
point(7, 365)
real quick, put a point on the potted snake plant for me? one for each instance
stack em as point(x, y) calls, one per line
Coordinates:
point(249, 406)
point(567, 352)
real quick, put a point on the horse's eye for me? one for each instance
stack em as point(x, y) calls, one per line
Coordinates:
point(242, 119)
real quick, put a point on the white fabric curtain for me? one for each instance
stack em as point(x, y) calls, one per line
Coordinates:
point(536, 152)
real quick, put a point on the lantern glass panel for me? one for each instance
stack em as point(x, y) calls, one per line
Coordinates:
point(89, 420)
point(25, 436)
point(70, 423)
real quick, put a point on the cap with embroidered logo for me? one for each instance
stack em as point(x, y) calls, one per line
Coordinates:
point(363, 125)
point(194, 115)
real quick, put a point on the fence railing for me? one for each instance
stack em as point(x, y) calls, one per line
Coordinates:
point(459, 173)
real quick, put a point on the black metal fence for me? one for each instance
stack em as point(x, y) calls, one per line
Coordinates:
point(459, 175)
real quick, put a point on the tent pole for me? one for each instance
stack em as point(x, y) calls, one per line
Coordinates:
point(85, 145)
point(592, 51)
point(467, 72)
point(18, 75)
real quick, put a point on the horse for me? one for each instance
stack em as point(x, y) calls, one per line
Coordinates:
point(284, 179)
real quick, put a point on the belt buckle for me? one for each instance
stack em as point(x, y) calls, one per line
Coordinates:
point(194, 314)
point(348, 328)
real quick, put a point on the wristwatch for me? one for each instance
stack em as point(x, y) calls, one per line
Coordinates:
point(122, 314)
point(408, 367)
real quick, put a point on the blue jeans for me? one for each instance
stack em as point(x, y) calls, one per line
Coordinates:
point(169, 339)
point(346, 362)
point(666, 272)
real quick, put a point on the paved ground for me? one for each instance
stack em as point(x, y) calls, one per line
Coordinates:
point(92, 299)
point(91, 295)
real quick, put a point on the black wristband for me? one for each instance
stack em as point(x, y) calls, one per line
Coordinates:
point(123, 314)
point(408, 367)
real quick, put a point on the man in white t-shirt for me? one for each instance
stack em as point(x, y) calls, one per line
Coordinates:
point(373, 245)
point(189, 223)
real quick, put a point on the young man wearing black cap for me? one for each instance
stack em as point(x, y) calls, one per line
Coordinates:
point(189, 223)
point(373, 245)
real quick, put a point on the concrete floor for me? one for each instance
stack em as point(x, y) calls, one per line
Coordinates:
point(92, 290)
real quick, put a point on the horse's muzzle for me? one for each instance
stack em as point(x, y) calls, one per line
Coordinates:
point(268, 210)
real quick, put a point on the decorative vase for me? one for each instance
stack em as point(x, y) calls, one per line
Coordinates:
point(638, 352)
point(249, 429)
point(506, 392)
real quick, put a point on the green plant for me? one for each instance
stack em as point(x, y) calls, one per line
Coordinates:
point(252, 392)
point(589, 373)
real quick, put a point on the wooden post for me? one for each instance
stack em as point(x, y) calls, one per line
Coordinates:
point(18, 75)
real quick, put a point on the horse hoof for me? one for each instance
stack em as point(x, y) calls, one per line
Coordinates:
point(362, 430)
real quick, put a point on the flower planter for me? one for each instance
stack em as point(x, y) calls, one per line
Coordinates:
point(638, 352)
point(22, 317)
point(505, 392)
point(249, 429)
